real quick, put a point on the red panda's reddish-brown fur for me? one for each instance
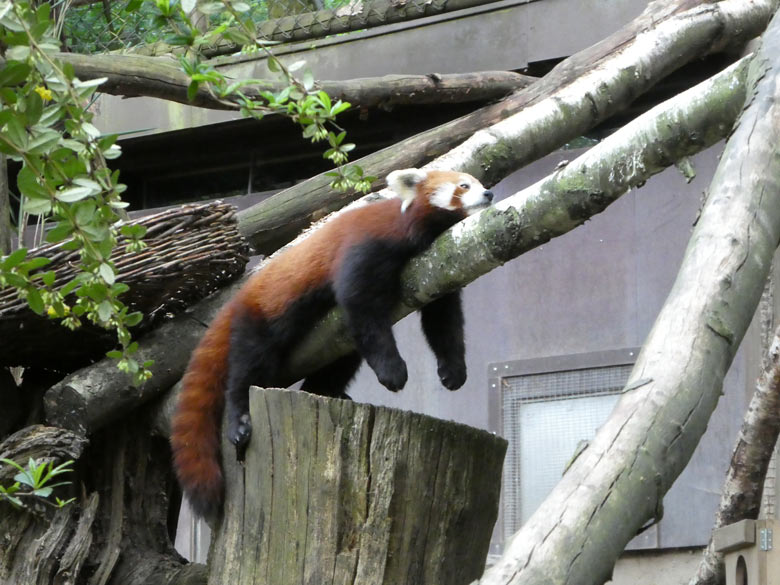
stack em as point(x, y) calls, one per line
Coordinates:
point(314, 263)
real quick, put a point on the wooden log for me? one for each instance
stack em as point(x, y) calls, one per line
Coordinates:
point(333, 491)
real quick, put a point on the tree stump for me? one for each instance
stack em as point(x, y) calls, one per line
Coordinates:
point(335, 492)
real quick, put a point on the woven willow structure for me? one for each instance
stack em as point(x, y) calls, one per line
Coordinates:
point(191, 250)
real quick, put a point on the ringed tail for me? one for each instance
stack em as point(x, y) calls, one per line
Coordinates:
point(195, 427)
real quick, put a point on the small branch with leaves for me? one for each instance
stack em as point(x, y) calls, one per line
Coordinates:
point(35, 481)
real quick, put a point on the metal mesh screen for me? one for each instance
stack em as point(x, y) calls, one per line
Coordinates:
point(545, 417)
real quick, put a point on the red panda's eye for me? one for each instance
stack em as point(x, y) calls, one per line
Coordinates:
point(464, 186)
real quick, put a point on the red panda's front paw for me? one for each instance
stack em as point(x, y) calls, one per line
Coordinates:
point(452, 376)
point(393, 377)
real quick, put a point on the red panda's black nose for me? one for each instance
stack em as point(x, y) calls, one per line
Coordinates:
point(488, 195)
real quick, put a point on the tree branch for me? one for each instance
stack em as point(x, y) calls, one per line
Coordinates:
point(617, 484)
point(161, 77)
point(579, 93)
point(744, 485)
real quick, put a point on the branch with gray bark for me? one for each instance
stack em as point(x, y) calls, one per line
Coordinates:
point(617, 484)
point(582, 91)
point(744, 485)
point(161, 77)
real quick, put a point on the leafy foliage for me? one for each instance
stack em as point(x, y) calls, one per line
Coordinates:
point(299, 100)
point(99, 27)
point(35, 481)
point(45, 124)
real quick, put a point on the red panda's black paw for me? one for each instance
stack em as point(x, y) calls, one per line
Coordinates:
point(393, 378)
point(239, 433)
point(452, 376)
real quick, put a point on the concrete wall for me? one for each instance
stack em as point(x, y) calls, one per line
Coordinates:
point(673, 567)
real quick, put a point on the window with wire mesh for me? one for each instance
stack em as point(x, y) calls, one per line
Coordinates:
point(545, 417)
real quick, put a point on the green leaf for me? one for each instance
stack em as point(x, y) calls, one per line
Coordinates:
point(49, 277)
point(16, 132)
point(14, 73)
point(105, 310)
point(273, 65)
point(36, 263)
point(28, 184)
point(106, 273)
point(14, 258)
point(192, 90)
point(36, 206)
point(308, 80)
point(134, 319)
point(59, 233)
point(33, 108)
point(74, 194)
point(35, 301)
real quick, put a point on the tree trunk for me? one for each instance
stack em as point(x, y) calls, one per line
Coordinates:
point(618, 483)
point(744, 485)
point(579, 93)
point(335, 492)
point(115, 533)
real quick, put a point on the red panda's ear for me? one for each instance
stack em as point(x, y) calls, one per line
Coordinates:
point(403, 183)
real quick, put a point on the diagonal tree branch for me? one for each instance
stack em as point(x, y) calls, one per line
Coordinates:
point(578, 94)
point(618, 483)
point(744, 485)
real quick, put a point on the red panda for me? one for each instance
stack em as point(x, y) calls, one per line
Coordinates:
point(355, 261)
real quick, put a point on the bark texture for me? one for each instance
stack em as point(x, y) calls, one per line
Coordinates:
point(338, 492)
point(115, 533)
point(744, 485)
point(578, 94)
point(617, 484)
point(161, 77)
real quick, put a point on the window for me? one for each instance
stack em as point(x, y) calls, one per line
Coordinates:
point(545, 408)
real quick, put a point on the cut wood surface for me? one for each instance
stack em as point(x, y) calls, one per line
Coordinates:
point(336, 492)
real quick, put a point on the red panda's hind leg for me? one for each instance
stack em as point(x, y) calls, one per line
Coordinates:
point(253, 359)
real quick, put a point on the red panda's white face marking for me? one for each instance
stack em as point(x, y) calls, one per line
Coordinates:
point(444, 189)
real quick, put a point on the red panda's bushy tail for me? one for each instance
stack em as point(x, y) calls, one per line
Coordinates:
point(195, 427)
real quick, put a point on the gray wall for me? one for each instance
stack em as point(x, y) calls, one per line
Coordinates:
point(599, 287)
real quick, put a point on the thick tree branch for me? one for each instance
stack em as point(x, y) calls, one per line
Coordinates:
point(161, 77)
point(680, 127)
point(579, 93)
point(742, 490)
point(617, 484)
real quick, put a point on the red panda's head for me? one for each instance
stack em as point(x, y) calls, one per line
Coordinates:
point(448, 190)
